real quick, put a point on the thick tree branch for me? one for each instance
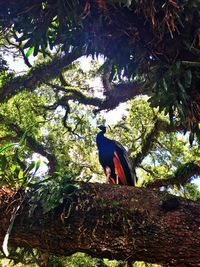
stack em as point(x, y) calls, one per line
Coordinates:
point(39, 74)
point(9, 138)
point(115, 222)
point(119, 94)
point(105, 77)
point(42, 73)
point(168, 128)
point(76, 95)
point(183, 175)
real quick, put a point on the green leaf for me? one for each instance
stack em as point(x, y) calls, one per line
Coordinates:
point(13, 167)
point(182, 89)
point(31, 166)
point(178, 65)
point(10, 227)
point(30, 51)
point(37, 165)
point(188, 78)
point(164, 84)
point(20, 175)
point(9, 146)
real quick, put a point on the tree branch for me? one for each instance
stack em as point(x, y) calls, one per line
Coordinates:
point(7, 138)
point(106, 221)
point(148, 143)
point(160, 125)
point(183, 175)
point(38, 148)
point(33, 144)
point(36, 76)
point(105, 77)
point(120, 93)
point(19, 47)
point(43, 73)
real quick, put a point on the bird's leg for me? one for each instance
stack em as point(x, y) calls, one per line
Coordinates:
point(117, 179)
point(108, 173)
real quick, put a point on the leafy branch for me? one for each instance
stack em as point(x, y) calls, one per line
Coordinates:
point(119, 94)
point(36, 76)
point(147, 144)
point(33, 144)
point(183, 175)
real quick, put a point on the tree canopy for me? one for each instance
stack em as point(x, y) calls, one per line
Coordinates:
point(143, 53)
point(150, 46)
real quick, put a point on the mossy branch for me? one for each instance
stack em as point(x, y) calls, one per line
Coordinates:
point(106, 221)
point(183, 175)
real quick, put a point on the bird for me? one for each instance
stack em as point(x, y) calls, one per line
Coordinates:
point(114, 159)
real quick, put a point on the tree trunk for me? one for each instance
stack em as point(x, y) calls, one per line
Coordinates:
point(115, 222)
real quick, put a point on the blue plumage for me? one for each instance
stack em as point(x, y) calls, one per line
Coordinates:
point(114, 160)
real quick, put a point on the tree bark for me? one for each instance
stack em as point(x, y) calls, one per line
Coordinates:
point(115, 222)
point(36, 76)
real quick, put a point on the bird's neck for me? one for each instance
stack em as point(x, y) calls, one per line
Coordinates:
point(102, 140)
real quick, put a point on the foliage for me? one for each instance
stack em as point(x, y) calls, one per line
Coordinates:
point(53, 191)
point(79, 260)
point(23, 258)
point(11, 173)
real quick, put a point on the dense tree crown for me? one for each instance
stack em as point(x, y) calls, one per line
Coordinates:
point(142, 53)
point(150, 44)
